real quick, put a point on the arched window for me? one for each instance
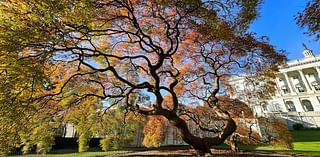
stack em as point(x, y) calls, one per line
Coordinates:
point(307, 105)
point(290, 106)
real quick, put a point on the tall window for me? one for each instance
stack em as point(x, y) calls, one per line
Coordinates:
point(264, 106)
point(290, 106)
point(307, 105)
point(300, 88)
point(316, 86)
point(277, 107)
point(285, 90)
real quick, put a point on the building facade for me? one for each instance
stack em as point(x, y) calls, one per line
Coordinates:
point(297, 92)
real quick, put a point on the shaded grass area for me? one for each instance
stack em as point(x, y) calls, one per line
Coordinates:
point(307, 142)
point(306, 135)
point(74, 153)
point(84, 154)
point(97, 152)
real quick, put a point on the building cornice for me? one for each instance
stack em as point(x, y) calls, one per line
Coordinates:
point(297, 95)
point(300, 62)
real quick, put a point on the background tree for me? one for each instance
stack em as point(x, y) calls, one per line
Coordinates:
point(119, 128)
point(309, 18)
point(20, 82)
point(154, 131)
point(38, 136)
point(276, 132)
point(84, 117)
point(122, 50)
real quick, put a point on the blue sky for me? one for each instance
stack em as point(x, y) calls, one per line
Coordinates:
point(277, 22)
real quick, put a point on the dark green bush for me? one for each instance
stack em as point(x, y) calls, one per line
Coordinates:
point(297, 126)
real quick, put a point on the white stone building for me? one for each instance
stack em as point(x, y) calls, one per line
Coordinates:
point(297, 94)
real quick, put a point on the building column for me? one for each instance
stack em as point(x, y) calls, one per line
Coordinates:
point(297, 103)
point(318, 71)
point(278, 88)
point(288, 82)
point(315, 103)
point(305, 82)
point(285, 105)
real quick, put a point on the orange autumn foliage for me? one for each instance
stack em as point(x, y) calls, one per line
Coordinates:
point(154, 131)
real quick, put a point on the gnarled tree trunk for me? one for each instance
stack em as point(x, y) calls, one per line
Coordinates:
point(201, 144)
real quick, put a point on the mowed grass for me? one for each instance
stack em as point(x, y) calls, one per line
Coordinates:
point(305, 142)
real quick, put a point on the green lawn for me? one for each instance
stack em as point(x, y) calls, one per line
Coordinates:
point(306, 142)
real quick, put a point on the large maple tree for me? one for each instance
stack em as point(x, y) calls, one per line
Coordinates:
point(151, 56)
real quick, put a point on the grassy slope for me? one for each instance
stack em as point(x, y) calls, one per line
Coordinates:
point(305, 142)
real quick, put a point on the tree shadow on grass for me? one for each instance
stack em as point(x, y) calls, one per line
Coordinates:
point(219, 153)
point(307, 135)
